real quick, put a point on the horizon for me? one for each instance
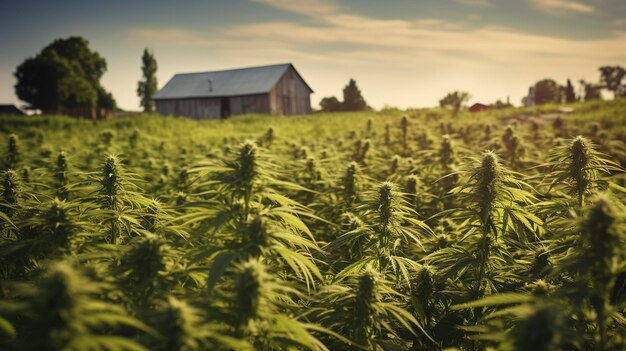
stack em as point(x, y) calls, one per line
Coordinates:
point(408, 55)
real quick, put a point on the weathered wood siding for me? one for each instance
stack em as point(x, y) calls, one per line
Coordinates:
point(202, 108)
point(290, 96)
point(211, 108)
point(240, 105)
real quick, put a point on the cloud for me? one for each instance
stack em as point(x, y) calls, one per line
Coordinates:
point(304, 7)
point(475, 3)
point(402, 61)
point(347, 38)
point(562, 6)
point(401, 40)
point(619, 23)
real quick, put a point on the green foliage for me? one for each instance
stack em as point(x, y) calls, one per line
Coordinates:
point(64, 75)
point(611, 78)
point(570, 94)
point(330, 104)
point(547, 91)
point(63, 312)
point(577, 168)
point(393, 230)
point(454, 101)
point(352, 100)
point(148, 85)
point(13, 152)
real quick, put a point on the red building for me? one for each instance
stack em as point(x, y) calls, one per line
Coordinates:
point(477, 107)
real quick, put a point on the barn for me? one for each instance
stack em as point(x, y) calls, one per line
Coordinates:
point(275, 89)
point(477, 107)
point(10, 110)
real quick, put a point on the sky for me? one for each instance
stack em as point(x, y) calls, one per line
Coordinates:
point(403, 53)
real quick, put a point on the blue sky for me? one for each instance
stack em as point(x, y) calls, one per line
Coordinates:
point(405, 53)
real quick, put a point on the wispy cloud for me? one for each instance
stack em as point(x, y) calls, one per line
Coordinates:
point(619, 22)
point(440, 53)
point(475, 3)
point(345, 39)
point(402, 42)
point(304, 7)
point(558, 7)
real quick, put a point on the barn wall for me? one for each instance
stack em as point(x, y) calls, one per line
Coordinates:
point(207, 108)
point(249, 104)
point(291, 95)
point(210, 108)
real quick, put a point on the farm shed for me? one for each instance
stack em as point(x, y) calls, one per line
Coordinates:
point(477, 107)
point(276, 89)
point(10, 110)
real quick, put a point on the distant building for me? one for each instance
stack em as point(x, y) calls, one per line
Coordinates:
point(477, 107)
point(276, 89)
point(11, 110)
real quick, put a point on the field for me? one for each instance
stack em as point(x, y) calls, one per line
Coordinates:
point(391, 230)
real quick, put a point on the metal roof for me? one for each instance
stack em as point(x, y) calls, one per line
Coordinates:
point(242, 81)
point(10, 110)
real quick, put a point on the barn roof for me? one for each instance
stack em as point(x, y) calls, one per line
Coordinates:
point(10, 110)
point(233, 82)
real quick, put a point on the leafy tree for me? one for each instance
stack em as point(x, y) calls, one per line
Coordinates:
point(547, 91)
point(591, 91)
point(499, 104)
point(455, 101)
point(611, 77)
point(570, 94)
point(75, 91)
point(148, 86)
point(352, 98)
point(65, 73)
point(76, 50)
point(37, 82)
point(106, 100)
point(330, 104)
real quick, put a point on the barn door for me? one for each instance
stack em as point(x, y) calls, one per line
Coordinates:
point(224, 107)
point(286, 105)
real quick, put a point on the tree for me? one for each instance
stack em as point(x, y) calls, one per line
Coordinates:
point(106, 100)
point(570, 94)
point(331, 104)
point(352, 98)
point(65, 74)
point(455, 101)
point(501, 105)
point(148, 86)
point(547, 91)
point(611, 78)
point(591, 91)
point(75, 92)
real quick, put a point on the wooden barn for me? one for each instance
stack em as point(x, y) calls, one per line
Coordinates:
point(477, 107)
point(10, 110)
point(276, 89)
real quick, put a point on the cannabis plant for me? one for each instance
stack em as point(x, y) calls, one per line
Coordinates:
point(390, 225)
point(61, 311)
point(578, 169)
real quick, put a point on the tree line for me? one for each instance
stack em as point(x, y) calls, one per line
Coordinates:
point(64, 77)
point(352, 100)
point(549, 91)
